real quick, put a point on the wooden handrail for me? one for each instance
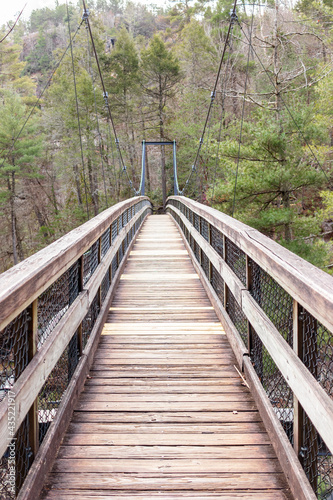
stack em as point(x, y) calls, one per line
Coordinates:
point(21, 284)
point(310, 286)
point(307, 287)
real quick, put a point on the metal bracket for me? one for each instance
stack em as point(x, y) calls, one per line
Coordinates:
point(85, 14)
point(233, 16)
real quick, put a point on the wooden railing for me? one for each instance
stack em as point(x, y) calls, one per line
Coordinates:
point(277, 310)
point(52, 308)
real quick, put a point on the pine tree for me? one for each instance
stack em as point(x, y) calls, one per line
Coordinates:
point(161, 73)
point(18, 155)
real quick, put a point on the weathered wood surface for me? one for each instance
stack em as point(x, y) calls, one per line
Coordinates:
point(310, 286)
point(23, 283)
point(164, 413)
point(314, 399)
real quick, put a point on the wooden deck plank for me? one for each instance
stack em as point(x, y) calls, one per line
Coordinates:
point(217, 452)
point(164, 413)
point(114, 495)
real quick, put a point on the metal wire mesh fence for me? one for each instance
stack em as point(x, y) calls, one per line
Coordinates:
point(13, 351)
point(315, 342)
point(55, 301)
point(90, 320)
point(316, 352)
point(15, 463)
point(276, 387)
point(217, 241)
point(53, 390)
point(237, 316)
point(105, 242)
point(236, 260)
point(273, 300)
point(217, 283)
point(19, 339)
point(90, 262)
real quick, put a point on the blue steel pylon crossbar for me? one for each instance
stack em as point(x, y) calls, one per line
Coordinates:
point(143, 167)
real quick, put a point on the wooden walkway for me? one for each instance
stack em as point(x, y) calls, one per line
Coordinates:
point(164, 413)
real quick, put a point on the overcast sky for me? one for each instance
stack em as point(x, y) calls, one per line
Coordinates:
point(11, 8)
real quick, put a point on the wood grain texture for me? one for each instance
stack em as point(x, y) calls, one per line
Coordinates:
point(310, 286)
point(21, 284)
point(164, 413)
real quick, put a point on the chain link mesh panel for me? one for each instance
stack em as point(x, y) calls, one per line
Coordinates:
point(205, 263)
point(275, 385)
point(237, 316)
point(124, 218)
point(55, 301)
point(317, 355)
point(52, 305)
point(105, 242)
point(273, 300)
point(120, 253)
point(120, 223)
point(316, 460)
point(106, 283)
point(218, 284)
point(90, 262)
point(90, 320)
point(317, 346)
point(15, 463)
point(114, 230)
point(13, 351)
point(51, 394)
point(204, 226)
point(217, 241)
point(236, 260)
point(196, 221)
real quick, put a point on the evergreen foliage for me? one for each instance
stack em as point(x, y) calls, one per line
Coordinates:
point(159, 67)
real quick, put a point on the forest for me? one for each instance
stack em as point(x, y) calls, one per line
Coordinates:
point(68, 149)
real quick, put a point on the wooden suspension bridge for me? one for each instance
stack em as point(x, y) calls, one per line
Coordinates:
point(173, 356)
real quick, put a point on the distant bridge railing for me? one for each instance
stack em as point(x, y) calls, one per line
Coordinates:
point(52, 308)
point(277, 310)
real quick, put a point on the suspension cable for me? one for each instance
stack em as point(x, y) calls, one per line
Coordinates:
point(97, 121)
point(105, 94)
point(233, 18)
point(77, 111)
point(42, 93)
point(243, 110)
point(223, 95)
point(287, 108)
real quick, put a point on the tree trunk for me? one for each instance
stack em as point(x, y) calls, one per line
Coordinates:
point(276, 66)
point(164, 191)
point(11, 188)
point(93, 189)
point(77, 183)
point(286, 204)
point(147, 163)
point(41, 220)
